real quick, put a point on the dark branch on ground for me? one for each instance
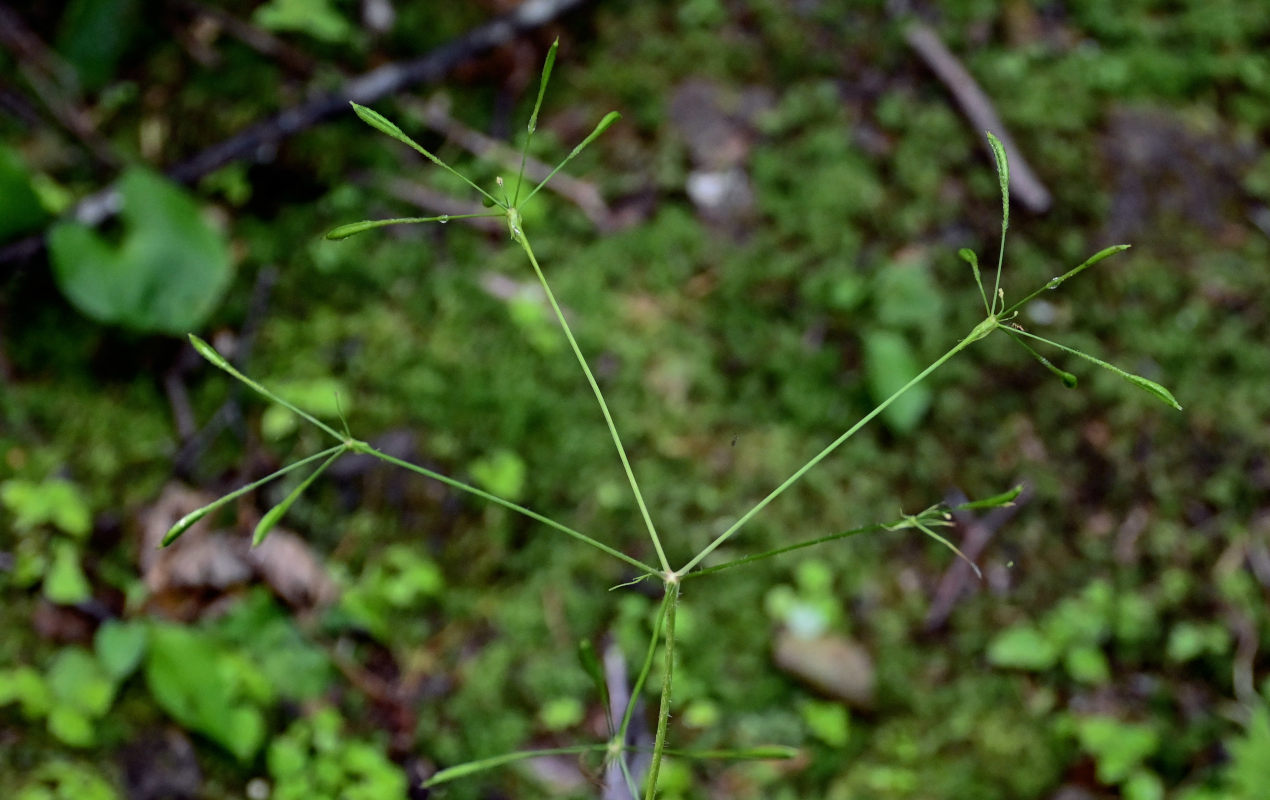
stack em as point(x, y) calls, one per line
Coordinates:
point(262, 139)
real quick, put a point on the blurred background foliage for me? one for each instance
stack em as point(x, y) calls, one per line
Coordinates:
point(764, 244)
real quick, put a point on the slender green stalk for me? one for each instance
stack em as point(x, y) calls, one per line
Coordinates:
point(1054, 283)
point(980, 330)
point(603, 125)
point(208, 352)
point(644, 670)
point(877, 526)
point(519, 509)
point(472, 767)
point(663, 711)
point(519, 235)
point(353, 228)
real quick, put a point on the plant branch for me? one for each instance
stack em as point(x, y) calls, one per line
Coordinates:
point(978, 333)
point(519, 509)
point(520, 237)
point(663, 711)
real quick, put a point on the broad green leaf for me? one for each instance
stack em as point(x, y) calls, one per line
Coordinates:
point(166, 275)
point(889, 363)
point(201, 686)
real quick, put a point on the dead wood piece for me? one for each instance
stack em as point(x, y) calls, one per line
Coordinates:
point(978, 533)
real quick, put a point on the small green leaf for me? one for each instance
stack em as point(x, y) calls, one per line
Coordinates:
point(208, 352)
point(889, 364)
point(71, 726)
point(354, 228)
point(382, 124)
point(64, 583)
point(271, 517)
point(79, 681)
point(185, 523)
point(502, 472)
point(1154, 388)
point(1004, 499)
point(1022, 647)
point(120, 646)
point(970, 258)
point(52, 501)
point(542, 84)
point(25, 686)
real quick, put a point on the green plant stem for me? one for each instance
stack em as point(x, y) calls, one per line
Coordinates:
point(980, 330)
point(638, 688)
point(519, 234)
point(1054, 283)
point(493, 498)
point(663, 711)
point(472, 767)
point(877, 526)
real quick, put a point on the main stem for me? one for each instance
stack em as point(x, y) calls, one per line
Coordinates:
point(981, 330)
point(519, 235)
point(663, 710)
